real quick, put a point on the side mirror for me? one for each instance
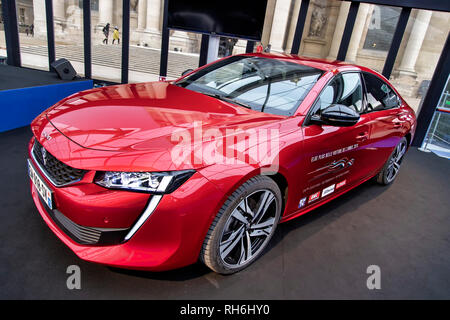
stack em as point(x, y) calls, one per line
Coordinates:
point(185, 72)
point(337, 115)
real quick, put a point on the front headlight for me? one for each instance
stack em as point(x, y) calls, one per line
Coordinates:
point(154, 182)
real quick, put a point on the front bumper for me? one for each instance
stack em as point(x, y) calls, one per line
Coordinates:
point(171, 237)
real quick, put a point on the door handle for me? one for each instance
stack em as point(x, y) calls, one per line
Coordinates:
point(397, 124)
point(363, 136)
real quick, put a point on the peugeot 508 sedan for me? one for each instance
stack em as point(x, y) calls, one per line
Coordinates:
point(156, 176)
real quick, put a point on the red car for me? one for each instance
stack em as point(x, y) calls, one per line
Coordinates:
point(155, 176)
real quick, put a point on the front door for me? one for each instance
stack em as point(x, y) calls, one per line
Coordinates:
point(335, 157)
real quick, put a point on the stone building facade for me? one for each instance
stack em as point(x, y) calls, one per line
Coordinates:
point(425, 34)
point(418, 55)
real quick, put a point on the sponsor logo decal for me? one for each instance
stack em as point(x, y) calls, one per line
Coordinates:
point(328, 190)
point(341, 184)
point(302, 202)
point(332, 167)
point(341, 164)
point(314, 196)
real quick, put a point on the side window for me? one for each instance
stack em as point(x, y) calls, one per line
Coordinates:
point(344, 89)
point(380, 96)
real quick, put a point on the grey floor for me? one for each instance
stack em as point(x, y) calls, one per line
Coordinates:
point(404, 229)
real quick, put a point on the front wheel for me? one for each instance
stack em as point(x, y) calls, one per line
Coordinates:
point(243, 226)
point(392, 166)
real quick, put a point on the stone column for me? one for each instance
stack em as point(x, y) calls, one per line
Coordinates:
point(59, 16)
point(105, 11)
point(265, 38)
point(40, 21)
point(59, 11)
point(279, 24)
point(154, 15)
point(358, 30)
point(339, 30)
point(149, 23)
point(414, 44)
point(142, 14)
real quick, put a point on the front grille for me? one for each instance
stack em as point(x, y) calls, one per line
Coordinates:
point(57, 172)
point(86, 235)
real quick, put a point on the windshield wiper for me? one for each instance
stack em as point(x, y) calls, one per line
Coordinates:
point(223, 98)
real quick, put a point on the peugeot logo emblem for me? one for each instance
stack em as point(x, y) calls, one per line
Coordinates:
point(46, 135)
point(44, 156)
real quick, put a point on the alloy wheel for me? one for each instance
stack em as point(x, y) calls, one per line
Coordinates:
point(395, 161)
point(248, 228)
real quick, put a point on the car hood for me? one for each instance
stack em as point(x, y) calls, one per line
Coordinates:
point(138, 120)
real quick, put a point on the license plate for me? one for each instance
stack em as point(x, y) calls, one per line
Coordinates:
point(41, 187)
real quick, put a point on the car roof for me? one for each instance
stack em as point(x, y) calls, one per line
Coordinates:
point(321, 64)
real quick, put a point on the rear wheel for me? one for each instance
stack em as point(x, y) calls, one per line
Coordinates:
point(243, 226)
point(392, 166)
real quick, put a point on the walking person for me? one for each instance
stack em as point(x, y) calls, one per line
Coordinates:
point(32, 29)
point(106, 33)
point(116, 35)
point(259, 48)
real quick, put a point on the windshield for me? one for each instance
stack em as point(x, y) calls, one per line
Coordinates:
point(262, 84)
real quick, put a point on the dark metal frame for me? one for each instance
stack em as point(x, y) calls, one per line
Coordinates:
point(164, 43)
point(396, 41)
point(300, 26)
point(87, 38)
point(204, 45)
point(11, 33)
point(50, 33)
point(250, 46)
point(436, 5)
point(125, 39)
point(428, 105)
point(348, 30)
point(431, 99)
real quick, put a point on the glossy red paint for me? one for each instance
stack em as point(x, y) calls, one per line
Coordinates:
point(129, 128)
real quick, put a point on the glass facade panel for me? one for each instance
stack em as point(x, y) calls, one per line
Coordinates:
point(2, 35)
point(184, 52)
point(106, 36)
point(324, 27)
point(437, 139)
point(370, 41)
point(68, 25)
point(372, 35)
point(381, 28)
point(32, 24)
point(419, 53)
point(145, 40)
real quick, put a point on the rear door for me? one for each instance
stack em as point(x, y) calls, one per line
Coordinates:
point(388, 119)
point(336, 157)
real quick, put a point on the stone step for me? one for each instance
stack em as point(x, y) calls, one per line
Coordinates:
point(144, 60)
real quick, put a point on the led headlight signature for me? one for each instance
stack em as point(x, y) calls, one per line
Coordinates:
point(152, 182)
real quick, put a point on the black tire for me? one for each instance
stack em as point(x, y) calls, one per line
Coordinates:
point(384, 177)
point(258, 186)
